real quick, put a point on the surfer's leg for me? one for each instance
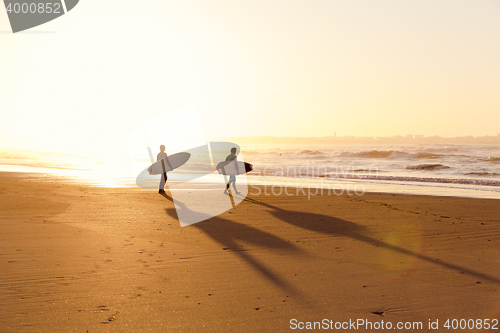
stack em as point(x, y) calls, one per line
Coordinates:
point(228, 185)
point(234, 184)
point(162, 183)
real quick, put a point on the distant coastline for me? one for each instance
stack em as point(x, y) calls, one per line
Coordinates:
point(346, 139)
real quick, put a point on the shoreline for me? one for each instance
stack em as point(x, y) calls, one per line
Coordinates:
point(365, 185)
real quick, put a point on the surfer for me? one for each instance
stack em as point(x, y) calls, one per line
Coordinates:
point(162, 155)
point(232, 178)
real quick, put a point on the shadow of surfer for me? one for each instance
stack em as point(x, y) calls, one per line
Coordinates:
point(331, 225)
point(229, 234)
point(164, 194)
point(232, 178)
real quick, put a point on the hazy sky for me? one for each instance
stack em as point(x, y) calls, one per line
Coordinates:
point(282, 68)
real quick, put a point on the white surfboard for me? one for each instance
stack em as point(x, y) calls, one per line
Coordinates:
point(168, 164)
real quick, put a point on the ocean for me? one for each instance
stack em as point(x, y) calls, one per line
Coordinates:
point(455, 170)
point(451, 170)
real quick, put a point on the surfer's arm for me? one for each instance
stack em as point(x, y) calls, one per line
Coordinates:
point(235, 159)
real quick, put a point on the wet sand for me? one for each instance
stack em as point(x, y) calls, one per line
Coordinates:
point(76, 258)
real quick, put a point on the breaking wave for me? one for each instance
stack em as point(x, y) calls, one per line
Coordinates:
point(483, 174)
point(310, 152)
point(426, 167)
point(492, 159)
point(388, 154)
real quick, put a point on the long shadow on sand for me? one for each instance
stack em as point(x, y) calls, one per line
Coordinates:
point(166, 196)
point(331, 225)
point(230, 235)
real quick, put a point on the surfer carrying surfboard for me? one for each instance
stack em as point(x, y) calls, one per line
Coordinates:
point(232, 178)
point(162, 155)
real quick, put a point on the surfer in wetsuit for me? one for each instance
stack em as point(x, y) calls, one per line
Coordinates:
point(162, 155)
point(232, 179)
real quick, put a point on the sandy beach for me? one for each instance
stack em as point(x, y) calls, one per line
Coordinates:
point(76, 258)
